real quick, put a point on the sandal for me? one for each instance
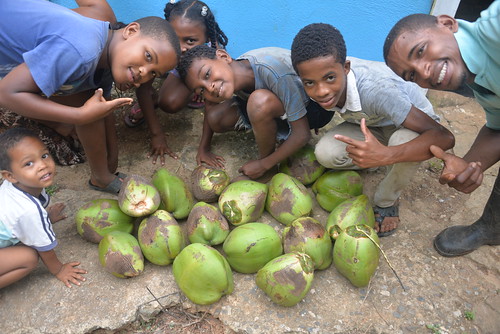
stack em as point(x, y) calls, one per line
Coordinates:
point(113, 187)
point(381, 213)
point(195, 104)
point(132, 119)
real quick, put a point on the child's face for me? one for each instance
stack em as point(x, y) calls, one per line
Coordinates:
point(190, 33)
point(212, 78)
point(32, 167)
point(325, 80)
point(429, 57)
point(138, 59)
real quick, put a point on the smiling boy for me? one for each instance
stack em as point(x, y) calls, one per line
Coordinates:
point(69, 58)
point(25, 226)
point(258, 90)
point(445, 54)
point(387, 121)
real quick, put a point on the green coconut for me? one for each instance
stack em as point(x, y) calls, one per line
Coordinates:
point(202, 274)
point(288, 199)
point(334, 187)
point(249, 247)
point(243, 201)
point(303, 165)
point(355, 255)
point(307, 235)
point(161, 238)
point(206, 225)
point(100, 216)
point(121, 255)
point(207, 183)
point(287, 279)
point(354, 211)
point(176, 197)
point(138, 197)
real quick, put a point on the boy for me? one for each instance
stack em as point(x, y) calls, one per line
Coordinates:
point(269, 99)
point(25, 225)
point(65, 56)
point(445, 54)
point(387, 122)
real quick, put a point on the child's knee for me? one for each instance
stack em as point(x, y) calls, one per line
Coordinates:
point(264, 105)
point(330, 153)
point(402, 136)
point(31, 259)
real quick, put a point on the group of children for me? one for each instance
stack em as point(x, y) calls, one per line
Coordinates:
point(280, 94)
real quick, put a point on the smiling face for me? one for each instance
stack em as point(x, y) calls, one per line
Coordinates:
point(32, 167)
point(137, 58)
point(430, 57)
point(212, 78)
point(190, 33)
point(325, 80)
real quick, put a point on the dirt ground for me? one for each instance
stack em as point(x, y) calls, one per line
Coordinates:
point(460, 295)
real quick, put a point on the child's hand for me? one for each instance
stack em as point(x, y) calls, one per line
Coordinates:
point(368, 153)
point(253, 169)
point(70, 274)
point(55, 212)
point(159, 148)
point(210, 159)
point(98, 107)
point(458, 173)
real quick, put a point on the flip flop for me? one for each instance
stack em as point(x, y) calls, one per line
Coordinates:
point(130, 119)
point(391, 211)
point(113, 187)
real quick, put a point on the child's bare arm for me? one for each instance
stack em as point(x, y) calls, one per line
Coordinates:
point(204, 154)
point(66, 273)
point(159, 145)
point(96, 9)
point(55, 212)
point(19, 93)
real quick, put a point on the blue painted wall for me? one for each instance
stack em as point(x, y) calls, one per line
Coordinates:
point(253, 24)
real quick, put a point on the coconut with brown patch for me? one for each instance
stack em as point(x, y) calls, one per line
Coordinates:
point(307, 235)
point(287, 279)
point(288, 199)
point(354, 211)
point(206, 225)
point(334, 187)
point(207, 183)
point(303, 165)
point(161, 238)
point(138, 197)
point(98, 217)
point(121, 255)
point(243, 201)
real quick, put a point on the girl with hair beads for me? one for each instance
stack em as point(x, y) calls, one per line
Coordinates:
point(194, 24)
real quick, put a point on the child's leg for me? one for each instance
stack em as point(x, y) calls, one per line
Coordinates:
point(263, 108)
point(222, 117)
point(15, 263)
point(399, 175)
point(98, 140)
point(173, 95)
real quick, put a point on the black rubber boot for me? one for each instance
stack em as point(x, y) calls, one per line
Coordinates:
point(461, 240)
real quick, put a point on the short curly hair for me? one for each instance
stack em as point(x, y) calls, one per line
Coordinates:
point(8, 140)
point(198, 52)
point(414, 22)
point(318, 40)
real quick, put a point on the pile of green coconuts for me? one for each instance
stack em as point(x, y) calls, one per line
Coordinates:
point(220, 230)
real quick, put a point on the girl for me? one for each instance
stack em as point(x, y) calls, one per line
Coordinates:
point(194, 24)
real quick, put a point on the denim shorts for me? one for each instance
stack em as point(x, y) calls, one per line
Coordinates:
point(316, 116)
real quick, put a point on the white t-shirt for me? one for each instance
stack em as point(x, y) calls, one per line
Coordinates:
point(23, 218)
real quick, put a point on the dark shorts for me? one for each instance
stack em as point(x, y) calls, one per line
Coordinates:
point(316, 116)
